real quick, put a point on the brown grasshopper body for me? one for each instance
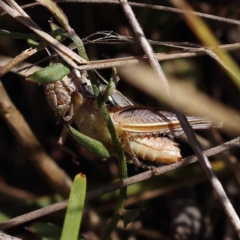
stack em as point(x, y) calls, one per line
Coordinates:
point(145, 132)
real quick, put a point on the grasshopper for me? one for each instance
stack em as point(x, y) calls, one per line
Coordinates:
point(145, 132)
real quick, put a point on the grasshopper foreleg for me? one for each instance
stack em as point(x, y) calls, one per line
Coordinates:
point(61, 142)
point(70, 113)
point(127, 148)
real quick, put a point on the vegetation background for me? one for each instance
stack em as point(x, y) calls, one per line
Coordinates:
point(182, 197)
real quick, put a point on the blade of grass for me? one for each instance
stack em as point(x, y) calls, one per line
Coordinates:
point(75, 208)
point(57, 12)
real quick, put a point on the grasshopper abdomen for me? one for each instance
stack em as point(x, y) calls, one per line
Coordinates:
point(159, 149)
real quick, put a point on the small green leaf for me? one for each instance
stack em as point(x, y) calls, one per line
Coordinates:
point(47, 231)
point(32, 43)
point(91, 144)
point(18, 35)
point(4, 216)
point(49, 74)
point(75, 207)
point(54, 27)
point(57, 12)
point(111, 85)
point(130, 215)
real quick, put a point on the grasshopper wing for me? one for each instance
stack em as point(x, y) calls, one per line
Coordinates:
point(152, 121)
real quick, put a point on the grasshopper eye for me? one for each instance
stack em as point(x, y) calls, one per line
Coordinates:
point(82, 83)
point(86, 89)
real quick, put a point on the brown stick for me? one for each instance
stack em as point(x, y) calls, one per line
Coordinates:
point(15, 61)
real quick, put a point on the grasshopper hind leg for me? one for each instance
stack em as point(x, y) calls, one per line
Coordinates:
point(127, 148)
point(138, 164)
point(70, 113)
point(61, 142)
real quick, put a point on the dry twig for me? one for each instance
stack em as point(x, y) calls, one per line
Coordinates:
point(7, 237)
point(126, 61)
point(15, 61)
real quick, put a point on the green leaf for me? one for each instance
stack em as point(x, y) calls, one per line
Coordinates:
point(32, 43)
point(54, 27)
point(75, 207)
point(47, 231)
point(57, 12)
point(91, 144)
point(4, 216)
point(130, 215)
point(49, 74)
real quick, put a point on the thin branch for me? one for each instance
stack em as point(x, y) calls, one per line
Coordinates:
point(149, 6)
point(31, 68)
point(15, 61)
point(117, 185)
point(161, 191)
point(110, 37)
point(15, 194)
point(190, 50)
point(7, 237)
point(126, 61)
point(217, 186)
